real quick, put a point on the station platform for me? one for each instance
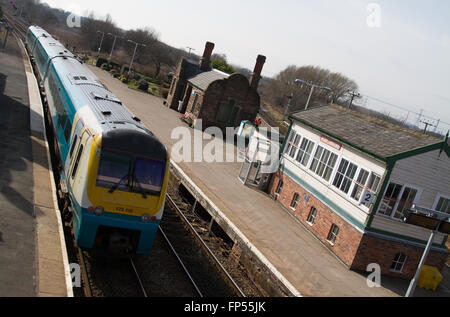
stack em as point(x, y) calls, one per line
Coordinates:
point(33, 259)
point(298, 260)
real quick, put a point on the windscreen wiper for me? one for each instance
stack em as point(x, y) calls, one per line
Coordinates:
point(135, 181)
point(113, 189)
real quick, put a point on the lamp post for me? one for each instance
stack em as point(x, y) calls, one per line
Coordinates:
point(436, 222)
point(101, 42)
point(113, 46)
point(313, 87)
point(134, 54)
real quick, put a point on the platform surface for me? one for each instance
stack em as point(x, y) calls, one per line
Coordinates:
point(31, 248)
point(295, 253)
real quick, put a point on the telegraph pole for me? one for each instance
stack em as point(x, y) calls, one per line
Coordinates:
point(353, 95)
point(427, 124)
point(288, 106)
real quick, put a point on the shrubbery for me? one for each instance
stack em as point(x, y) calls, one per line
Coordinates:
point(101, 61)
point(143, 85)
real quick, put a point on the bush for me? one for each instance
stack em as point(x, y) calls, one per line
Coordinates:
point(101, 61)
point(106, 67)
point(115, 65)
point(143, 85)
point(125, 68)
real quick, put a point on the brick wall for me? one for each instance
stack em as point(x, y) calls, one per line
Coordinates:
point(348, 240)
point(355, 249)
point(383, 252)
point(236, 87)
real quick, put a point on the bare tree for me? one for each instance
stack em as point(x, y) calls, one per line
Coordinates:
point(283, 86)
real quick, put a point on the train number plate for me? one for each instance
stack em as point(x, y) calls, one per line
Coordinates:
point(125, 210)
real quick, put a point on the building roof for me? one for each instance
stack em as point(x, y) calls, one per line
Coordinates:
point(379, 138)
point(203, 80)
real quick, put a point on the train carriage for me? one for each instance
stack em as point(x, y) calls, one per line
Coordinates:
point(113, 169)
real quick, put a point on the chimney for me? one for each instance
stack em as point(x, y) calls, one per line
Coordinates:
point(255, 77)
point(205, 61)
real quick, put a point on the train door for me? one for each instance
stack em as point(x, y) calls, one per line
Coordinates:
point(78, 167)
point(74, 145)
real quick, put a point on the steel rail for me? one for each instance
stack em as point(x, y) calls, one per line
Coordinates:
point(181, 262)
point(205, 246)
point(138, 277)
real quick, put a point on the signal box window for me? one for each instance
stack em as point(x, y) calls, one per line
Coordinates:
point(443, 205)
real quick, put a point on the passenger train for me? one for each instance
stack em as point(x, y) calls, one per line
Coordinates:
point(113, 169)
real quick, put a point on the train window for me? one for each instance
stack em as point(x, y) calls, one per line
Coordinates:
point(64, 119)
point(59, 108)
point(74, 143)
point(68, 131)
point(77, 162)
point(122, 172)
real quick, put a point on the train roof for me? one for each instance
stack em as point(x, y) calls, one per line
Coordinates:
point(85, 88)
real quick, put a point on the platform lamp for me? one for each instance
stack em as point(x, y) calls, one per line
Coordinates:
point(113, 46)
point(134, 54)
point(101, 42)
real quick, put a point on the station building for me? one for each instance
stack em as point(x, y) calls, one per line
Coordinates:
point(219, 99)
point(349, 178)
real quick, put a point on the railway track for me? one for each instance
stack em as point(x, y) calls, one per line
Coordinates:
point(19, 27)
point(210, 254)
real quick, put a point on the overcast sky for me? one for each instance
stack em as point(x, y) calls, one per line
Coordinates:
point(405, 61)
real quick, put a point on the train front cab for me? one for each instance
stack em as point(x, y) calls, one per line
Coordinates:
point(126, 188)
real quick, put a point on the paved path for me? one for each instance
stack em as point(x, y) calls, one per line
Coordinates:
point(33, 259)
point(308, 265)
point(17, 215)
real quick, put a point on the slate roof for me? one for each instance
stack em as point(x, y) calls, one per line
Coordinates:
point(203, 80)
point(370, 134)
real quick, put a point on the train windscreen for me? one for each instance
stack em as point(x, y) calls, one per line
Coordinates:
point(118, 171)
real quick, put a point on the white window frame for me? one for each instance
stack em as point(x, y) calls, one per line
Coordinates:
point(358, 168)
point(298, 151)
point(290, 144)
point(403, 263)
point(394, 210)
point(438, 197)
point(279, 187)
point(339, 156)
point(296, 201)
point(311, 223)
point(332, 234)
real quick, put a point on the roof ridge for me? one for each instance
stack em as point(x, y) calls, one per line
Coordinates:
point(386, 123)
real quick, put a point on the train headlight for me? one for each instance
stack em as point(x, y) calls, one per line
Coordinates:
point(99, 211)
point(145, 218)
